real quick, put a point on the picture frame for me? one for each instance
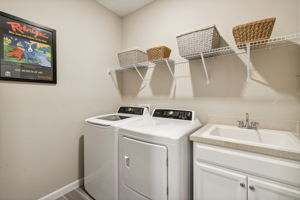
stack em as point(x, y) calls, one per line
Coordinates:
point(27, 51)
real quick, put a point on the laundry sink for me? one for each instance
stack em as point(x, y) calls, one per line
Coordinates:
point(257, 137)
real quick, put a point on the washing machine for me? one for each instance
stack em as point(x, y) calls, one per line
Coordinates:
point(155, 156)
point(101, 151)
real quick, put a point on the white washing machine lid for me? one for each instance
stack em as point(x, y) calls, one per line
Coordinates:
point(124, 115)
point(163, 125)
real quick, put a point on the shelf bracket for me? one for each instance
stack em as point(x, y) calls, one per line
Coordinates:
point(109, 72)
point(136, 69)
point(169, 67)
point(249, 63)
point(205, 69)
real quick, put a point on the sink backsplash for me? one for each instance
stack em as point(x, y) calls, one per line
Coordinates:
point(286, 125)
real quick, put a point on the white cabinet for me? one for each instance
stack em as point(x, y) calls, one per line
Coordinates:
point(219, 175)
point(212, 183)
point(261, 190)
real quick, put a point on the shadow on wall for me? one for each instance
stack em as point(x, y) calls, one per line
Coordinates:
point(161, 82)
point(227, 77)
point(135, 81)
point(280, 70)
point(273, 70)
point(117, 79)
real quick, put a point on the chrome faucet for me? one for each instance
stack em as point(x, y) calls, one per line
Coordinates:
point(247, 124)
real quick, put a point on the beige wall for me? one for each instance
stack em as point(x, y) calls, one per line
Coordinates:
point(272, 94)
point(41, 124)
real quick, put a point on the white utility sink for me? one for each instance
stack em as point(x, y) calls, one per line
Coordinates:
point(260, 137)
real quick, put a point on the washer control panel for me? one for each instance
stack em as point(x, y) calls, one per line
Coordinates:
point(131, 110)
point(173, 114)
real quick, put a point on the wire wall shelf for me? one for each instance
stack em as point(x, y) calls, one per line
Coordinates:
point(231, 49)
point(260, 45)
point(147, 64)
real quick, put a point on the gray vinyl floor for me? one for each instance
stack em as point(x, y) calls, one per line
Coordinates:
point(78, 194)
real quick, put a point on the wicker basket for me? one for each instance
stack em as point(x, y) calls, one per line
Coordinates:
point(253, 31)
point(132, 56)
point(158, 53)
point(193, 43)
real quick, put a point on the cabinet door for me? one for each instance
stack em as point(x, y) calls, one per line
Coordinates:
point(262, 190)
point(213, 183)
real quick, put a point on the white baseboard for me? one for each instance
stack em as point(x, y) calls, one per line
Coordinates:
point(64, 190)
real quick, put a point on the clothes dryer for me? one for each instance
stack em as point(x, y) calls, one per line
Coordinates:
point(155, 156)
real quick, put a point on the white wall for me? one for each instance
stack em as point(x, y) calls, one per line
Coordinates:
point(41, 124)
point(271, 95)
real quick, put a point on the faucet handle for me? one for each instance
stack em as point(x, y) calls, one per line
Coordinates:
point(254, 125)
point(240, 123)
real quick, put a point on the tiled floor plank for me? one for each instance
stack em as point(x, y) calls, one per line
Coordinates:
point(78, 194)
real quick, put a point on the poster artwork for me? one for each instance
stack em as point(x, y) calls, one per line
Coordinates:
point(28, 51)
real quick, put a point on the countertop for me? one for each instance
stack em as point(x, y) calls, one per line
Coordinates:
point(197, 136)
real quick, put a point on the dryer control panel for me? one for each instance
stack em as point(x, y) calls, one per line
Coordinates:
point(131, 110)
point(173, 114)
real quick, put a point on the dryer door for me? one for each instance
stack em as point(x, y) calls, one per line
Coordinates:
point(143, 170)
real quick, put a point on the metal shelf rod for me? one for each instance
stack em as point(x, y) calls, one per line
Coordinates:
point(171, 72)
point(248, 61)
point(136, 69)
point(169, 67)
point(205, 69)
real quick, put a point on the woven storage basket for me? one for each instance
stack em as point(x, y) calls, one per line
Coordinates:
point(253, 31)
point(193, 43)
point(130, 57)
point(158, 53)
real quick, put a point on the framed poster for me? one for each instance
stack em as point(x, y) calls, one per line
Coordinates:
point(27, 51)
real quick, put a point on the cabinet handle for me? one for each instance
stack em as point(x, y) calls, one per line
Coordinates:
point(242, 185)
point(251, 187)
